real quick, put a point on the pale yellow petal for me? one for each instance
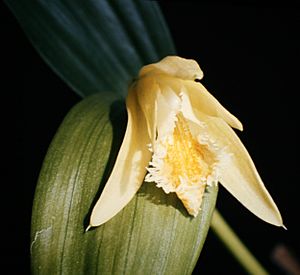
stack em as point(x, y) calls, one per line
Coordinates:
point(239, 175)
point(146, 95)
point(205, 102)
point(160, 104)
point(174, 66)
point(130, 167)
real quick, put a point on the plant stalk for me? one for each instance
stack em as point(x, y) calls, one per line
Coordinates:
point(235, 245)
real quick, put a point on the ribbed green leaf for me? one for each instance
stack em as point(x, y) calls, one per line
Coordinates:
point(95, 45)
point(152, 235)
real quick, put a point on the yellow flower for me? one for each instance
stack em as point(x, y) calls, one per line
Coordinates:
point(180, 137)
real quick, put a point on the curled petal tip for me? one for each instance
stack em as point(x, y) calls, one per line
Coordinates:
point(284, 227)
point(239, 126)
point(88, 228)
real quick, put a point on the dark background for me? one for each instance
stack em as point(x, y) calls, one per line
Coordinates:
point(250, 58)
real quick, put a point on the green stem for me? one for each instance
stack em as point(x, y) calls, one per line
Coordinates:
point(235, 245)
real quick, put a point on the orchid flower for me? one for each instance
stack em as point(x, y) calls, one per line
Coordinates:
point(180, 137)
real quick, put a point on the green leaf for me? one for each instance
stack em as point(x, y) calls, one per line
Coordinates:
point(153, 234)
point(95, 45)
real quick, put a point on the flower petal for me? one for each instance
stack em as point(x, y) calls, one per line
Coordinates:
point(146, 92)
point(202, 100)
point(168, 105)
point(239, 175)
point(160, 104)
point(130, 167)
point(174, 66)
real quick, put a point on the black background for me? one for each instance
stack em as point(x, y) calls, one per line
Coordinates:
point(250, 58)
